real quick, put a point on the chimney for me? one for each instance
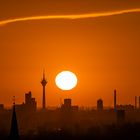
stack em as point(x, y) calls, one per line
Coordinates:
point(135, 102)
point(139, 102)
point(115, 101)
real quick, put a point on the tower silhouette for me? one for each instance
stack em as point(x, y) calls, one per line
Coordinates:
point(135, 102)
point(14, 132)
point(44, 82)
point(115, 100)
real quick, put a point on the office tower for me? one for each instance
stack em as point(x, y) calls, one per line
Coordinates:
point(67, 103)
point(44, 82)
point(115, 101)
point(28, 97)
point(30, 103)
point(99, 104)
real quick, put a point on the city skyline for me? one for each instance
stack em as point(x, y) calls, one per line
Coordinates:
point(30, 103)
point(103, 52)
point(69, 121)
point(69, 69)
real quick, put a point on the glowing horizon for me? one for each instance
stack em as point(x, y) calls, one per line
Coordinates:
point(71, 16)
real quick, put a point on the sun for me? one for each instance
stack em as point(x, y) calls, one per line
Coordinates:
point(66, 80)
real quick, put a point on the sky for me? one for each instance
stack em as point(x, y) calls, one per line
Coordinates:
point(103, 51)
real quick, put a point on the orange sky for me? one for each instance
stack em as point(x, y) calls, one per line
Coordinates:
point(103, 52)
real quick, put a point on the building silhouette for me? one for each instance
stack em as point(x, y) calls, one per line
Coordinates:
point(67, 106)
point(1, 106)
point(30, 103)
point(67, 103)
point(126, 107)
point(99, 104)
point(14, 132)
point(44, 82)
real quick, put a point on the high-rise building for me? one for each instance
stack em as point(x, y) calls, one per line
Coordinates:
point(67, 103)
point(44, 82)
point(99, 104)
point(30, 103)
point(28, 97)
point(67, 106)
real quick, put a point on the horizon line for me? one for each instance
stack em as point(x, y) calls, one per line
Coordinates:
point(70, 16)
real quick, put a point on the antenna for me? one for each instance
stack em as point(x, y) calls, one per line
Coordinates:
point(43, 73)
point(14, 99)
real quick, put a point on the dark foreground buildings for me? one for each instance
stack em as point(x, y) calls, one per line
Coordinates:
point(69, 122)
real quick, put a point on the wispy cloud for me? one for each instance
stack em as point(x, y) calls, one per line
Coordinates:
point(71, 17)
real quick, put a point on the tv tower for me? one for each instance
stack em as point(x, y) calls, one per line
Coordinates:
point(43, 82)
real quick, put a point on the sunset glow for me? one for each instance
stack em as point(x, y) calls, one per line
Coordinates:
point(97, 40)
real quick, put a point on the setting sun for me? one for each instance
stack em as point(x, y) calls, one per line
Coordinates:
point(66, 80)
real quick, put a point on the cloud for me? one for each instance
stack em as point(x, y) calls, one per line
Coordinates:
point(70, 17)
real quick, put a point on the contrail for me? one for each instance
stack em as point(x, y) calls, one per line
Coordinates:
point(71, 17)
